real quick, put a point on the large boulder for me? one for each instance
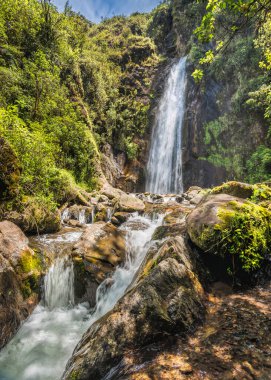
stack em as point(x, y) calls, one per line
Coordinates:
point(165, 297)
point(32, 215)
point(20, 272)
point(257, 192)
point(130, 203)
point(100, 249)
point(233, 230)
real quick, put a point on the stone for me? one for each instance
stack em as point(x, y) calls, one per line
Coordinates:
point(164, 298)
point(101, 248)
point(236, 189)
point(110, 192)
point(233, 236)
point(34, 220)
point(122, 216)
point(203, 219)
point(162, 232)
point(129, 203)
point(20, 273)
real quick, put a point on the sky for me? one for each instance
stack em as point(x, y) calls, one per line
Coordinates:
point(95, 9)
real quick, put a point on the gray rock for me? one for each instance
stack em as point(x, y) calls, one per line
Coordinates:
point(165, 297)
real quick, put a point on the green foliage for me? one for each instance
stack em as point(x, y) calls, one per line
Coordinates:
point(259, 165)
point(30, 267)
point(67, 87)
point(131, 149)
point(244, 234)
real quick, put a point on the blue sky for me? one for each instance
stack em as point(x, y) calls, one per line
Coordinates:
point(95, 9)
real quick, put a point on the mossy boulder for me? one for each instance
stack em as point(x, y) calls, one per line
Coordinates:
point(20, 274)
point(164, 298)
point(9, 171)
point(236, 230)
point(257, 192)
point(32, 215)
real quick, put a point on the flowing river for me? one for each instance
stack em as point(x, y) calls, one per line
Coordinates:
point(164, 170)
point(45, 342)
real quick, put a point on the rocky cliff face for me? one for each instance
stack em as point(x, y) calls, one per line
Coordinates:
point(201, 107)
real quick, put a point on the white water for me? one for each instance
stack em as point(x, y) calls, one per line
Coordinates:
point(164, 170)
point(43, 345)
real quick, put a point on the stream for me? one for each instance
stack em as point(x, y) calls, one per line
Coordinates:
point(46, 340)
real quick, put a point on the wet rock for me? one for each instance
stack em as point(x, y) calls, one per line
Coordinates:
point(165, 297)
point(82, 214)
point(20, 272)
point(101, 248)
point(162, 232)
point(122, 216)
point(129, 203)
point(101, 213)
point(74, 223)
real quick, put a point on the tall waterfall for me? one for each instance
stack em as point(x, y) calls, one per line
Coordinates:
point(164, 170)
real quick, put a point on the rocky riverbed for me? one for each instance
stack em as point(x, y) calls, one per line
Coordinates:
point(195, 306)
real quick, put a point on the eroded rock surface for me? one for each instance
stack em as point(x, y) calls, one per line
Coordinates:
point(100, 249)
point(20, 271)
point(165, 297)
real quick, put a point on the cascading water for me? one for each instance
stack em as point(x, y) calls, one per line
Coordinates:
point(165, 160)
point(43, 345)
point(45, 341)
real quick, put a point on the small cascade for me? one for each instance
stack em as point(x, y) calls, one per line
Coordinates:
point(65, 215)
point(164, 170)
point(59, 284)
point(139, 231)
point(82, 216)
point(45, 342)
point(93, 211)
point(109, 214)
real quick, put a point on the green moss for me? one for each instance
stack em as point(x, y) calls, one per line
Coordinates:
point(256, 193)
point(244, 233)
point(75, 375)
point(30, 267)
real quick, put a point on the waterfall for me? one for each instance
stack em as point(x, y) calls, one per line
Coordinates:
point(164, 170)
point(45, 342)
point(138, 241)
point(59, 284)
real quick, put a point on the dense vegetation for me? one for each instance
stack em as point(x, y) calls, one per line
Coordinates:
point(233, 47)
point(68, 87)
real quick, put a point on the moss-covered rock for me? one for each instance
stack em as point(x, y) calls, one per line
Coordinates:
point(256, 192)
point(32, 214)
point(236, 230)
point(20, 274)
